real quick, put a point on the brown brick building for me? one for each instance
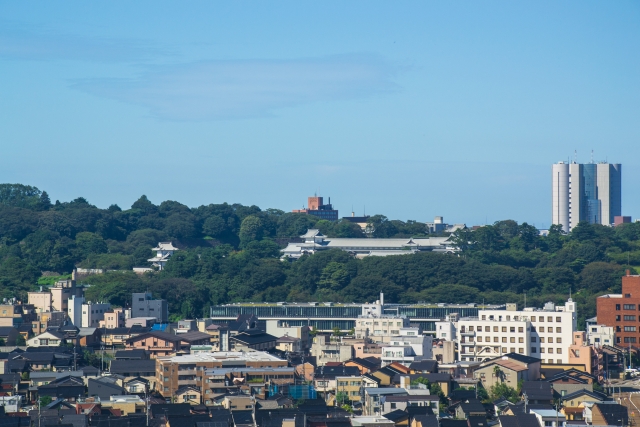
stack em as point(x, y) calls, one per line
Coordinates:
point(622, 311)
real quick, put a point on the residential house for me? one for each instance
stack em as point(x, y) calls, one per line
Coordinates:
point(137, 385)
point(537, 391)
point(289, 344)
point(66, 387)
point(573, 404)
point(164, 344)
point(443, 380)
point(399, 418)
point(348, 388)
point(9, 334)
point(510, 369)
point(374, 398)
point(565, 383)
point(549, 417)
point(469, 408)
point(397, 402)
point(104, 388)
point(252, 339)
point(424, 367)
point(324, 350)
point(609, 415)
point(426, 421)
point(47, 339)
point(518, 419)
point(387, 374)
point(325, 378)
point(366, 366)
point(189, 394)
point(117, 337)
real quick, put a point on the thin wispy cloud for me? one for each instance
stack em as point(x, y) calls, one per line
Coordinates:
point(231, 89)
point(20, 43)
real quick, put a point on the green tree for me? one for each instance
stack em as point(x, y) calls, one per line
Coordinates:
point(502, 390)
point(20, 341)
point(44, 400)
point(251, 229)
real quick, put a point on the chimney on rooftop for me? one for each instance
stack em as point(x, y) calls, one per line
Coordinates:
point(628, 272)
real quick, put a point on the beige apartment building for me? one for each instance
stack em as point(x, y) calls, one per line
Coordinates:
point(173, 372)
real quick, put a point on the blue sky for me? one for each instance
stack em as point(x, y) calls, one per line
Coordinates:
point(410, 109)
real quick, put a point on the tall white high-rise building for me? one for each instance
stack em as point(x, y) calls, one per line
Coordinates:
point(589, 192)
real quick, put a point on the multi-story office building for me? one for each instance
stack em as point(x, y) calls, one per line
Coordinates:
point(378, 326)
point(326, 316)
point(544, 333)
point(586, 192)
point(143, 305)
point(407, 347)
point(316, 207)
point(622, 312)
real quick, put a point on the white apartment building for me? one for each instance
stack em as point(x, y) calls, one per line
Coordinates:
point(599, 335)
point(446, 329)
point(409, 346)
point(85, 314)
point(379, 326)
point(543, 333)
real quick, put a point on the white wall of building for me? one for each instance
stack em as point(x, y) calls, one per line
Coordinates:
point(543, 333)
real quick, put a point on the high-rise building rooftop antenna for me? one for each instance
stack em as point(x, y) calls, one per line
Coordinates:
point(591, 156)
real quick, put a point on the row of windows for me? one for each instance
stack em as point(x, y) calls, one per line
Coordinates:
point(626, 307)
point(532, 318)
point(549, 350)
point(549, 329)
point(549, 339)
point(496, 329)
point(504, 339)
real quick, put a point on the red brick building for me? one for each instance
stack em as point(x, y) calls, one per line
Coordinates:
point(622, 311)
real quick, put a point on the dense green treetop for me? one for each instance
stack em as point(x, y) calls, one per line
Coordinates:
point(230, 252)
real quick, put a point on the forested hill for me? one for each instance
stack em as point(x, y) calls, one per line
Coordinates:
point(231, 253)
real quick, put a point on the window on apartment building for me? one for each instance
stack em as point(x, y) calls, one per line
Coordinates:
point(521, 350)
point(471, 328)
point(618, 329)
point(550, 339)
point(521, 329)
point(629, 328)
point(629, 307)
point(504, 329)
point(558, 330)
point(504, 349)
point(512, 329)
point(534, 349)
point(533, 318)
point(558, 350)
point(550, 329)
point(629, 318)
point(558, 339)
point(550, 350)
point(487, 328)
point(521, 339)
point(558, 319)
point(484, 317)
point(549, 319)
point(534, 339)
point(541, 349)
point(541, 339)
point(512, 349)
point(495, 339)
point(479, 339)
point(512, 339)
point(617, 307)
point(617, 320)
point(495, 329)
point(629, 339)
point(508, 318)
point(504, 339)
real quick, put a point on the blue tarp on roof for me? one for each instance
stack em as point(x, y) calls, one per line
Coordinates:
point(160, 327)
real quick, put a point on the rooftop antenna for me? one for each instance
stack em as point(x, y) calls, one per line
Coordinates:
point(591, 156)
point(575, 156)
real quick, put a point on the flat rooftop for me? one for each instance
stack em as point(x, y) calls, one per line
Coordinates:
point(222, 356)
